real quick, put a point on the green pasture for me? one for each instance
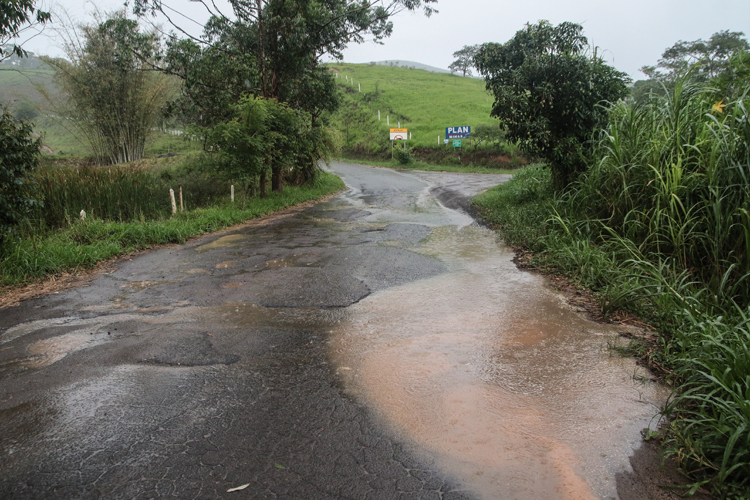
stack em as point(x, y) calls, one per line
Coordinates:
point(423, 102)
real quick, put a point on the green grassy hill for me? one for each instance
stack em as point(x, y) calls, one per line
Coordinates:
point(22, 91)
point(422, 101)
point(22, 85)
point(26, 89)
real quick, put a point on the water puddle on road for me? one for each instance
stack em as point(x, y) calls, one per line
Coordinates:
point(230, 240)
point(495, 377)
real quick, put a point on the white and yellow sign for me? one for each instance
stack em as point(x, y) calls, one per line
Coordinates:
point(399, 134)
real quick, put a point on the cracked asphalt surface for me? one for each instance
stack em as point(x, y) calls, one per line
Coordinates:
point(194, 369)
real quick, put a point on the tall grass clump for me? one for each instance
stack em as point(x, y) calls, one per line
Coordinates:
point(670, 192)
point(659, 226)
point(125, 193)
point(121, 193)
point(83, 243)
point(673, 178)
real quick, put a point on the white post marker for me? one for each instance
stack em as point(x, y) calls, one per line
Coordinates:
point(231, 192)
point(360, 87)
point(399, 124)
point(171, 197)
point(182, 207)
point(378, 115)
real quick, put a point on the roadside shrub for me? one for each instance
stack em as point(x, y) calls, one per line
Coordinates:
point(404, 156)
point(19, 155)
point(451, 160)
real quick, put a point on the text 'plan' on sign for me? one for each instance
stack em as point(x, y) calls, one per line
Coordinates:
point(399, 134)
point(463, 132)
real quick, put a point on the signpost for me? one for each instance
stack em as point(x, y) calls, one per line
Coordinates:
point(398, 134)
point(463, 132)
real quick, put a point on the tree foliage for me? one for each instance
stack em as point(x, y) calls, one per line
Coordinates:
point(550, 93)
point(707, 58)
point(267, 136)
point(272, 49)
point(734, 81)
point(464, 60)
point(17, 17)
point(19, 155)
point(114, 99)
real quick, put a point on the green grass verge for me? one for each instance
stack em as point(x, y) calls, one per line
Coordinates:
point(420, 165)
point(519, 207)
point(82, 245)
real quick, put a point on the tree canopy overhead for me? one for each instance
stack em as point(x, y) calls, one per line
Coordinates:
point(709, 57)
point(550, 93)
point(16, 17)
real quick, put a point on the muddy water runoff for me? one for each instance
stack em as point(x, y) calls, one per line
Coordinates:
point(490, 373)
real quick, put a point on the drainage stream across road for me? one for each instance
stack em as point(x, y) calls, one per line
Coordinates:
point(378, 345)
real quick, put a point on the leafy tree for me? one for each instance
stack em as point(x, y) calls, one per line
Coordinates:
point(216, 71)
point(114, 98)
point(286, 40)
point(25, 111)
point(709, 57)
point(19, 151)
point(19, 155)
point(464, 60)
point(734, 81)
point(17, 17)
point(550, 93)
point(266, 135)
point(643, 90)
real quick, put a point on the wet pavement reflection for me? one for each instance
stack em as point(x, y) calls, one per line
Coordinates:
point(494, 375)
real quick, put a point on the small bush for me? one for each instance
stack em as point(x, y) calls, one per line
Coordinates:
point(404, 156)
point(451, 160)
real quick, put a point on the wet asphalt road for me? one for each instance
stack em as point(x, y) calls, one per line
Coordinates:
point(191, 370)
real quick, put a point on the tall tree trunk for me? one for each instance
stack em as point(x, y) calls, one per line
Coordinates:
point(262, 49)
point(263, 184)
point(277, 180)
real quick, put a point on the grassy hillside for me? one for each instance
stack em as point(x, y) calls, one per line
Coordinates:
point(22, 91)
point(424, 102)
point(22, 85)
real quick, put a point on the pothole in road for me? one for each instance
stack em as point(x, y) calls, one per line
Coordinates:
point(224, 242)
point(142, 285)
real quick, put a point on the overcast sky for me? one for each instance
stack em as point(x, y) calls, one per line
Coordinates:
point(631, 33)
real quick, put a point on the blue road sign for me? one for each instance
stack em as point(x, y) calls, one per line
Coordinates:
point(463, 132)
